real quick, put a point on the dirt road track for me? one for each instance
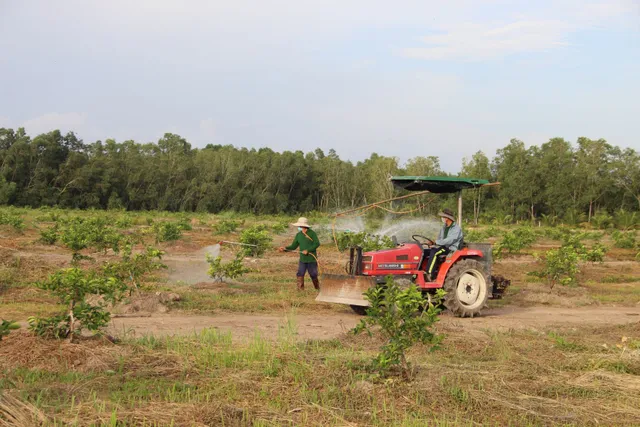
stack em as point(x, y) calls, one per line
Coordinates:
point(331, 325)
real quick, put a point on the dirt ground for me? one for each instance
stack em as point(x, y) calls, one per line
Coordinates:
point(187, 267)
point(333, 325)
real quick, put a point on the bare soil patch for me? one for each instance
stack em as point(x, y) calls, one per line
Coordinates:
point(333, 325)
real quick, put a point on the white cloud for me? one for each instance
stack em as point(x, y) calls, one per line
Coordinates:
point(542, 28)
point(72, 121)
point(475, 42)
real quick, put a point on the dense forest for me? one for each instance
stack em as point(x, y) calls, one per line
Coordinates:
point(557, 181)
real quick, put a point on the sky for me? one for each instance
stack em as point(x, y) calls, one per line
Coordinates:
point(405, 78)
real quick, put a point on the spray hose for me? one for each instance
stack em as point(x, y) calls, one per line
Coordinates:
point(360, 211)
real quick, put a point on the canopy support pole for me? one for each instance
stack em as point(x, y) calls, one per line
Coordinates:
point(460, 208)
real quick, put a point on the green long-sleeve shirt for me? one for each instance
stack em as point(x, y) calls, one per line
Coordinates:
point(305, 243)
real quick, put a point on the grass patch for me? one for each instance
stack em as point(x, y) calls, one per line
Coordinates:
point(501, 378)
point(620, 279)
point(564, 344)
point(627, 294)
point(495, 378)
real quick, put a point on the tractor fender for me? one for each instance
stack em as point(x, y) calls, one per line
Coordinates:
point(453, 258)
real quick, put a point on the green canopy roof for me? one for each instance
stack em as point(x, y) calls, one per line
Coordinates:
point(436, 184)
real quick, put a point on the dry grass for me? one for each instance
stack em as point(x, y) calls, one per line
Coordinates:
point(560, 376)
point(17, 413)
point(25, 349)
point(567, 377)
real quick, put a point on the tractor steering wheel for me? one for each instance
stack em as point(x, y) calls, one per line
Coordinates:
point(428, 240)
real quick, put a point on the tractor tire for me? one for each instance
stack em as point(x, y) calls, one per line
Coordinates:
point(468, 287)
point(360, 310)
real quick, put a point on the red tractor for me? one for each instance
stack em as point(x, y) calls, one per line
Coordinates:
point(464, 274)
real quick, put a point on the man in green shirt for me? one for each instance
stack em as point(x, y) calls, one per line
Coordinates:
point(306, 241)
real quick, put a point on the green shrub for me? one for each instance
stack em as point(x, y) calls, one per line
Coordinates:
point(473, 235)
point(626, 220)
point(556, 233)
point(123, 222)
point(102, 235)
point(549, 220)
point(132, 268)
point(561, 265)
point(226, 226)
point(49, 236)
point(624, 239)
point(602, 220)
point(594, 255)
point(219, 270)
point(6, 327)
point(167, 231)
point(393, 311)
point(514, 241)
point(71, 286)
point(184, 224)
point(482, 234)
point(258, 237)
point(78, 233)
point(8, 217)
point(368, 242)
point(280, 227)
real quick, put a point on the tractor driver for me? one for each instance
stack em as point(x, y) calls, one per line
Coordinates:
point(449, 240)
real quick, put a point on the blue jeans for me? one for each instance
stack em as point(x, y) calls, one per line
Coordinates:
point(311, 267)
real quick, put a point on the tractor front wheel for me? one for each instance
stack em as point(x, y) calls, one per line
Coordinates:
point(468, 287)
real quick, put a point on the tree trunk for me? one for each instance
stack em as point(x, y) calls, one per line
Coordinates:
point(478, 211)
point(590, 209)
point(475, 212)
point(533, 215)
point(72, 321)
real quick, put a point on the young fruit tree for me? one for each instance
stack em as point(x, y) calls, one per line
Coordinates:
point(562, 265)
point(133, 268)
point(404, 318)
point(219, 270)
point(72, 286)
point(257, 240)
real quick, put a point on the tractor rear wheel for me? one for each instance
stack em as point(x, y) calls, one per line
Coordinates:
point(468, 287)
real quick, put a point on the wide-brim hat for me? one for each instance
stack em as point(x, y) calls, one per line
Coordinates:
point(302, 222)
point(447, 213)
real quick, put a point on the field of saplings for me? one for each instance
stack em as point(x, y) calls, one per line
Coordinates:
point(114, 318)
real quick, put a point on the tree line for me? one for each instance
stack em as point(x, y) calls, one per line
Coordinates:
point(557, 179)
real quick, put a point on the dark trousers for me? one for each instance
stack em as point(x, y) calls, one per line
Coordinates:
point(311, 267)
point(434, 252)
